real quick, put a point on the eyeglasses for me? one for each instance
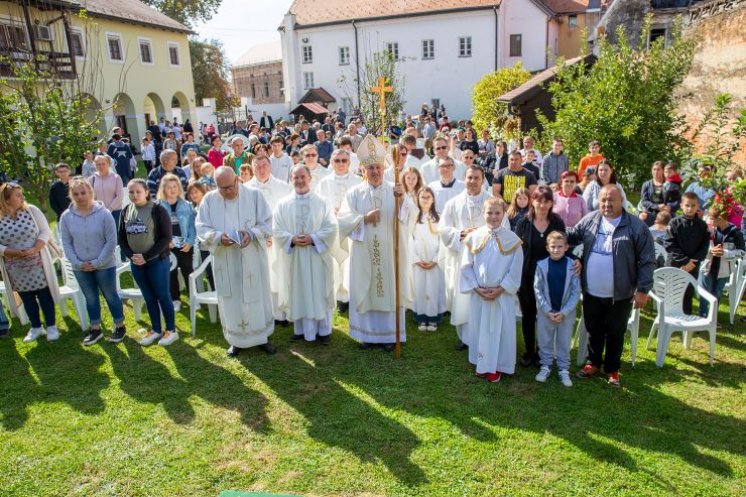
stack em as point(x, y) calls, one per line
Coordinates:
point(310, 155)
point(440, 148)
point(226, 188)
point(340, 161)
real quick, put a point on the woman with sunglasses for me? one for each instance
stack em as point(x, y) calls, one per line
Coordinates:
point(26, 261)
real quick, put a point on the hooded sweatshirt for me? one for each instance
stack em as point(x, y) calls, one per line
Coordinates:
point(89, 238)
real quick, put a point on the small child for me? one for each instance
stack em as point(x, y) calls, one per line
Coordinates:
point(727, 246)
point(686, 241)
point(148, 153)
point(659, 227)
point(429, 280)
point(245, 173)
point(170, 142)
point(518, 207)
point(491, 272)
point(207, 178)
point(557, 290)
point(89, 167)
point(295, 155)
point(672, 187)
point(531, 165)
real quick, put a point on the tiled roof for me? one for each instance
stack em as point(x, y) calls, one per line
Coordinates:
point(538, 82)
point(314, 12)
point(132, 11)
point(317, 95)
point(260, 54)
point(567, 6)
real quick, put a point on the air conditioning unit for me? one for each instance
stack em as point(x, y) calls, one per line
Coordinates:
point(43, 32)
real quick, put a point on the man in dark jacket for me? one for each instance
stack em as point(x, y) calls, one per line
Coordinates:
point(618, 245)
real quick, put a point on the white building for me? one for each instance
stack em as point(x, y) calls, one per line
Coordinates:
point(443, 47)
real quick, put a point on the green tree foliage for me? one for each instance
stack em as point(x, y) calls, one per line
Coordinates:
point(488, 112)
point(187, 12)
point(625, 100)
point(210, 73)
point(41, 126)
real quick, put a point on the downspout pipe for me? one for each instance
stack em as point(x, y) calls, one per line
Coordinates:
point(497, 38)
point(357, 62)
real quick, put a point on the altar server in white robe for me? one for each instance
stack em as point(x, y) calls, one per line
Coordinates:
point(461, 215)
point(272, 190)
point(429, 289)
point(447, 186)
point(429, 169)
point(491, 275)
point(333, 188)
point(305, 229)
point(367, 218)
point(310, 156)
point(233, 223)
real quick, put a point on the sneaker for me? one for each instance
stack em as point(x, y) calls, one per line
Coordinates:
point(588, 371)
point(177, 305)
point(564, 376)
point(168, 338)
point(526, 359)
point(92, 337)
point(494, 377)
point(52, 333)
point(543, 374)
point(150, 337)
point(614, 380)
point(432, 327)
point(422, 327)
point(325, 339)
point(33, 334)
point(118, 334)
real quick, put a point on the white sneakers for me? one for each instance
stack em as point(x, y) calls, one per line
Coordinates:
point(564, 376)
point(543, 374)
point(177, 305)
point(168, 338)
point(33, 334)
point(164, 339)
point(52, 333)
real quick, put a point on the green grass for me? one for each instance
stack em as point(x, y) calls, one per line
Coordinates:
point(120, 420)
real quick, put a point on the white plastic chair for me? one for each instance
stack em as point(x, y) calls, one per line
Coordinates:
point(132, 294)
point(669, 285)
point(581, 336)
point(735, 287)
point(660, 251)
point(198, 296)
point(70, 290)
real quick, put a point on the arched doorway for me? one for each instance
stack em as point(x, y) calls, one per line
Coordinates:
point(94, 113)
point(180, 107)
point(125, 116)
point(153, 108)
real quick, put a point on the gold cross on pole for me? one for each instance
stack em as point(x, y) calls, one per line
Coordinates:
point(382, 90)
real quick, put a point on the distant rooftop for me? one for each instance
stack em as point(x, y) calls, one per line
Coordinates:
point(130, 10)
point(260, 54)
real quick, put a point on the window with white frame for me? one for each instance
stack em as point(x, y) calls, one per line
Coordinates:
point(344, 56)
point(12, 36)
point(174, 57)
point(146, 50)
point(428, 49)
point(516, 48)
point(307, 80)
point(78, 45)
point(347, 105)
point(572, 20)
point(114, 43)
point(307, 54)
point(464, 46)
point(393, 49)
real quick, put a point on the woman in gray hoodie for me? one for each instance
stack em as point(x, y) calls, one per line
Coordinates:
point(89, 238)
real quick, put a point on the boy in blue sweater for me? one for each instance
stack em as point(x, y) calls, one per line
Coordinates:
point(557, 290)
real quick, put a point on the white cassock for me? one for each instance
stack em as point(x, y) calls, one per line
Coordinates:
point(429, 171)
point(445, 193)
point(372, 294)
point(281, 166)
point(429, 295)
point(272, 191)
point(241, 274)
point(416, 163)
point(306, 274)
point(461, 212)
point(333, 188)
point(492, 258)
point(317, 174)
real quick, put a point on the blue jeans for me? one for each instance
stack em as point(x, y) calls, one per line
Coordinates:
point(4, 323)
point(153, 279)
point(31, 305)
point(103, 280)
point(714, 286)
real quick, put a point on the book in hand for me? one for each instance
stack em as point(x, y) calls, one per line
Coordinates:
point(235, 237)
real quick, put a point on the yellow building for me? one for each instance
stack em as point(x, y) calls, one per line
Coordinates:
point(131, 61)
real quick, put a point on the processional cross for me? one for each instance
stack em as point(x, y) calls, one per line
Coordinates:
point(382, 90)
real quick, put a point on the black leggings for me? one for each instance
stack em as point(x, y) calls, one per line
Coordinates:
point(183, 264)
point(528, 324)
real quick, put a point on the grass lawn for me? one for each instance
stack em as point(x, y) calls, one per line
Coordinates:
point(120, 420)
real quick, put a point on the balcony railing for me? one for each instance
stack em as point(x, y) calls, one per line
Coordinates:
point(55, 64)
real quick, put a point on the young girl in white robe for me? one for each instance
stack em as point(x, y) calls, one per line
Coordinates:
point(491, 272)
point(429, 303)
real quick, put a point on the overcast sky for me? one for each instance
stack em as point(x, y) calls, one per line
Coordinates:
point(241, 24)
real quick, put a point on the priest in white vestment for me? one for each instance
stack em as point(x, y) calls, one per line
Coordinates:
point(310, 156)
point(429, 169)
point(447, 186)
point(367, 218)
point(333, 188)
point(491, 275)
point(233, 223)
point(305, 229)
point(272, 190)
point(460, 216)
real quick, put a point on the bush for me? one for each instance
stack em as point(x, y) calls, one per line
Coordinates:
point(488, 112)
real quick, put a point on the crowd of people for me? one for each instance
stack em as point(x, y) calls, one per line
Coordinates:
point(299, 220)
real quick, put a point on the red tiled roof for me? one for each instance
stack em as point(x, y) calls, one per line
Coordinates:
point(537, 82)
point(566, 6)
point(315, 108)
point(317, 95)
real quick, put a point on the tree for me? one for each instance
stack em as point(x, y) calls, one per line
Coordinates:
point(210, 73)
point(379, 65)
point(40, 127)
point(488, 112)
point(625, 100)
point(186, 12)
